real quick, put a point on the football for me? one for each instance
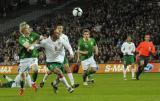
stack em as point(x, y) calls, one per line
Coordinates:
point(77, 12)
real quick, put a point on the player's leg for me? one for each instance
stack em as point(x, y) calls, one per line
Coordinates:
point(55, 67)
point(140, 67)
point(93, 68)
point(6, 85)
point(125, 67)
point(34, 66)
point(22, 82)
point(7, 78)
point(85, 65)
point(69, 73)
point(55, 83)
point(132, 66)
point(30, 82)
point(45, 78)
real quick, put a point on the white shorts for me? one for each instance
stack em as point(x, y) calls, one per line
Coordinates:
point(26, 64)
point(90, 62)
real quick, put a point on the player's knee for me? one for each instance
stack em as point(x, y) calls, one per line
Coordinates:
point(35, 68)
point(49, 72)
point(57, 71)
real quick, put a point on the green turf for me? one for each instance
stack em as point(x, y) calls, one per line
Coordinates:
point(108, 87)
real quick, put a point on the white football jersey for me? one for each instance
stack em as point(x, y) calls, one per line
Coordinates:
point(55, 49)
point(128, 48)
point(65, 38)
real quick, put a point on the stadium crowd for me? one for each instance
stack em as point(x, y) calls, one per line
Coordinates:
point(110, 21)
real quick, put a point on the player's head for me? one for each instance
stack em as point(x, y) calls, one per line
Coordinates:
point(24, 28)
point(129, 38)
point(59, 26)
point(147, 37)
point(56, 34)
point(86, 33)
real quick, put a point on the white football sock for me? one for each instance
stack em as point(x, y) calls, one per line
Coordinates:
point(8, 79)
point(64, 81)
point(124, 73)
point(29, 81)
point(132, 70)
point(45, 77)
point(71, 78)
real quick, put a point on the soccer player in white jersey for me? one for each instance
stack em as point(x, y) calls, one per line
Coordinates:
point(16, 82)
point(128, 49)
point(64, 37)
point(53, 46)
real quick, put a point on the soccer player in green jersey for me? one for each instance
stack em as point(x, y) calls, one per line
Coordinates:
point(86, 48)
point(128, 50)
point(28, 55)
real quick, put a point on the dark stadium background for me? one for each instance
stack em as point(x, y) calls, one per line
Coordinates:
point(110, 21)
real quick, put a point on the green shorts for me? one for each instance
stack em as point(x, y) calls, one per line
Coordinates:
point(7, 84)
point(52, 65)
point(128, 59)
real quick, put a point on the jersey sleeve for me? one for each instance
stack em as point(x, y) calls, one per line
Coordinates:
point(80, 44)
point(122, 48)
point(67, 46)
point(36, 36)
point(94, 42)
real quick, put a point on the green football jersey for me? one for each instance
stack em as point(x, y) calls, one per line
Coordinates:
point(86, 46)
point(23, 53)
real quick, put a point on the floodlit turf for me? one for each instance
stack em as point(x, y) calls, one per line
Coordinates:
point(108, 87)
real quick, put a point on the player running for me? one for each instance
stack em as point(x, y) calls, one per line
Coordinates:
point(53, 46)
point(28, 55)
point(128, 49)
point(86, 48)
point(64, 37)
point(144, 49)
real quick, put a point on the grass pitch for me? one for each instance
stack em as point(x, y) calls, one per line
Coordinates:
point(107, 87)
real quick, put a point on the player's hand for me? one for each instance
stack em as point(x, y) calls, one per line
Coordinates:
point(85, 52)
point(132, 52)
point(71, 56)
point(126, 53)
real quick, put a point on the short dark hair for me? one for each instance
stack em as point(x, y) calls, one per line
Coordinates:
point(59, 23)
point(85, 30)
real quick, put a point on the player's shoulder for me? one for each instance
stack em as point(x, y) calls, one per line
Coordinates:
point(125, 42)
point(34, 34)
point(81, 39)
point(132, 43)
point(45, 40)
point(64, 35)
